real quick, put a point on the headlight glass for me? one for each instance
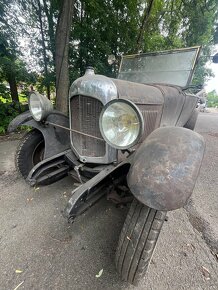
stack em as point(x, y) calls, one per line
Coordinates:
point(39, 106)
point(35, 107)
point(121, 124)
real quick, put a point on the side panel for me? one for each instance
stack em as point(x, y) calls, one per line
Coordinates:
point(144, 94)
point(174, 100)
point(164, 169)
point(187, 110)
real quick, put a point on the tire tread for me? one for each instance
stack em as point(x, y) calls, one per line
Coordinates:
point(137, 241)
point(20, 160)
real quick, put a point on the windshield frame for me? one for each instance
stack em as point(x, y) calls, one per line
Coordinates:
point(173, 51)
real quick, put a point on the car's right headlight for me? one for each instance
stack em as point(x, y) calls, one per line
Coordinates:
point(39, 106)
point(121, 124)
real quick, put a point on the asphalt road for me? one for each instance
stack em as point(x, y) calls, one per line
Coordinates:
point(203, 206)
point(51, 254)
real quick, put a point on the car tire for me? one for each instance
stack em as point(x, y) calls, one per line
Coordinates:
point(30, 151)
point(192, 120)
point(137, 241)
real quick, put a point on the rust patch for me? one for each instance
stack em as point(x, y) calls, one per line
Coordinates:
point(165, 168)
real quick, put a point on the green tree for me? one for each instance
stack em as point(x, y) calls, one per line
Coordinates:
point(100, 28)
point(212, 99)
point(50, 45)
point(39, 31)
point(10, 65)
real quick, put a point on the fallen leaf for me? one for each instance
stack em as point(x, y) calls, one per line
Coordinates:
point(206, 273)
point(29, 199)
point(215, 254)
point(191, 246)
point(36, 188)
point(18, 271)
point(99, 274)
point(18, 285)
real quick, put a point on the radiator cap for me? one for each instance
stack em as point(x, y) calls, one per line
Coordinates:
point(89, 70)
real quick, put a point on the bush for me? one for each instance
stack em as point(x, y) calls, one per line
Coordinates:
point(212, 99)
point(8, 111)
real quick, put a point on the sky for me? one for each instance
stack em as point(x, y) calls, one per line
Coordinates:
point(212, 84)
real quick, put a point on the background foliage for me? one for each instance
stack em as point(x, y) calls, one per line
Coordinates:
point(99, 28)
point(212, 98)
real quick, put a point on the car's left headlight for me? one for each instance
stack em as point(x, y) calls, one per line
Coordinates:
point(39, 106)
point(121, 124)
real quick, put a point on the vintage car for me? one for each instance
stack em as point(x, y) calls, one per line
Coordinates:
point(130, 139)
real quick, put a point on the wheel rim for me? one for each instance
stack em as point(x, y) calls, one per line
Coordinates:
point(38, 153)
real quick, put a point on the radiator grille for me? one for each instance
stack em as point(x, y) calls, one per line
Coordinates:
point(85, 113)
point(151, 115)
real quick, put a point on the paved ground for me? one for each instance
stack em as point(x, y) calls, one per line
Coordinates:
point(203, 206)
point(35, 238)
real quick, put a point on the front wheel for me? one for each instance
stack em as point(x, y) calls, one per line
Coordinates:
point(30, 151)
point(137, 241)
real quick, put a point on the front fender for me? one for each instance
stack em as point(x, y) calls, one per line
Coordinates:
point(19, 120)
point(56, 139)
point(165, 168)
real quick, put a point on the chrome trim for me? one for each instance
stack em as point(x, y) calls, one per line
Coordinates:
point(104, 90)
point(139, 115)
point(96, 86)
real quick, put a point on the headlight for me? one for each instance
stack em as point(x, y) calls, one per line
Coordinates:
point(39, 106)
point(121, 123)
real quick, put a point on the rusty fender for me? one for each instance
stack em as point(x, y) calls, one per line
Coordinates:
point(165, 168)
point(56, 139)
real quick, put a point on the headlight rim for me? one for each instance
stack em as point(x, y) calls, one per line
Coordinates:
point(45, 105)
point(139, 115)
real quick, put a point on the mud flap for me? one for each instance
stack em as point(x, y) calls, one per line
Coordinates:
point(165, 168)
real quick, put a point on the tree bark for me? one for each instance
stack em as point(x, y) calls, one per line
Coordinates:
point(62, 54)
point(49, 14)
point(146, 15)
point(44, 51)
point(13, 87)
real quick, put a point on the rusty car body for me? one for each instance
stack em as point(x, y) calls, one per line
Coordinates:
point(131, 136)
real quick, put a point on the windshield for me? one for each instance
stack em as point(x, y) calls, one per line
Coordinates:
point(173, 67)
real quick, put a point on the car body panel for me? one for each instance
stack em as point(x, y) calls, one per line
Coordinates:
point(56, 139)
point(187, 109)
point(165, 167)
point(96, 86)
point(139, 93)
point(165, 162)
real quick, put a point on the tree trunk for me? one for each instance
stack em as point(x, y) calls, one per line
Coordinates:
point(44, 51)
point(146, 15)
point(13, 87)
point(49, 14)
point(62, 54)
